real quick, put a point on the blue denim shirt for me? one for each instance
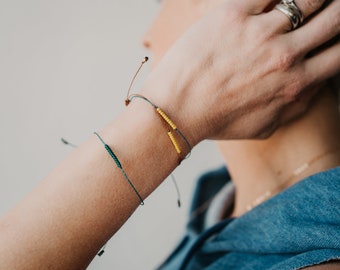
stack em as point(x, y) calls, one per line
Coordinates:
point(297, 228)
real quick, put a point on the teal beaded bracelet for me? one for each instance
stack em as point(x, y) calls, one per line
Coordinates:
point(120, 167)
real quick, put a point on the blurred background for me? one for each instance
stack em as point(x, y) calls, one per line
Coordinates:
point(64, 70)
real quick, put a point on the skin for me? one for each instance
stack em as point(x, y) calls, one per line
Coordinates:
point(282, 57)
point(269, 162)
point(85, 200)
point(284, 151)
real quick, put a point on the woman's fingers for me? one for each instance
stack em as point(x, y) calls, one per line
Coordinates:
point(280, 23)
point(319, 30)
point(323, 65)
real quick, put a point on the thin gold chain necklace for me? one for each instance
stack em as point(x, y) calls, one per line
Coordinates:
point(298, 171)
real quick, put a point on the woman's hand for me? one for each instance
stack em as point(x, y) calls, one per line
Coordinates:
point(239, 73)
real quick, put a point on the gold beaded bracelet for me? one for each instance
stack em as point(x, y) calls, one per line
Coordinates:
point(162, 114)
point(169, 122)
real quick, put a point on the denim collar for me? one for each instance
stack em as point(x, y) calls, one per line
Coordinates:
point(304, 217)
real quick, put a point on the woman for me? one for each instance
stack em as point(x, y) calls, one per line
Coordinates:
point(242, 84)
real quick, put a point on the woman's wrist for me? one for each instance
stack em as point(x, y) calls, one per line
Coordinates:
point(171, 92)
point(140, 138)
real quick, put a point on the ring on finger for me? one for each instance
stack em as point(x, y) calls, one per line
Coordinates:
point(292, 11)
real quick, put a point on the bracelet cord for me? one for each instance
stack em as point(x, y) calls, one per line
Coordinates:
point(120, 167)
point(161, 113)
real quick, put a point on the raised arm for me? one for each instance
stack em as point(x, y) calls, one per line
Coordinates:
point(238, 85)
point(86, 199)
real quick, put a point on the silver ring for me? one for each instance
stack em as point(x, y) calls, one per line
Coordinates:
point(292, 11)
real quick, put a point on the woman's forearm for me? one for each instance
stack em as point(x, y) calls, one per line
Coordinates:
point(68, 217)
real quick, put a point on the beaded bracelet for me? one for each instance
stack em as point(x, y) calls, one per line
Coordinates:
point(167, 119)
point(163, 115)
point(120, 167)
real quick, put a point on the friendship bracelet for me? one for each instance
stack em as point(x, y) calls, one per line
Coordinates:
point(177, 147)
point(120, 167)
point(167, 119)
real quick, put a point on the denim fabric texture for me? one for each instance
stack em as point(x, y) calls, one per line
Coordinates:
point(297, 228)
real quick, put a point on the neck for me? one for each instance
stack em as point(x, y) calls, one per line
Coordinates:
point(262, 168)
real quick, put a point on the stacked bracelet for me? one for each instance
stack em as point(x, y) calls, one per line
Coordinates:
point(170, 133)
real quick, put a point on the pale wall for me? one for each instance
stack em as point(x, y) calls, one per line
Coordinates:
point(64, 69)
